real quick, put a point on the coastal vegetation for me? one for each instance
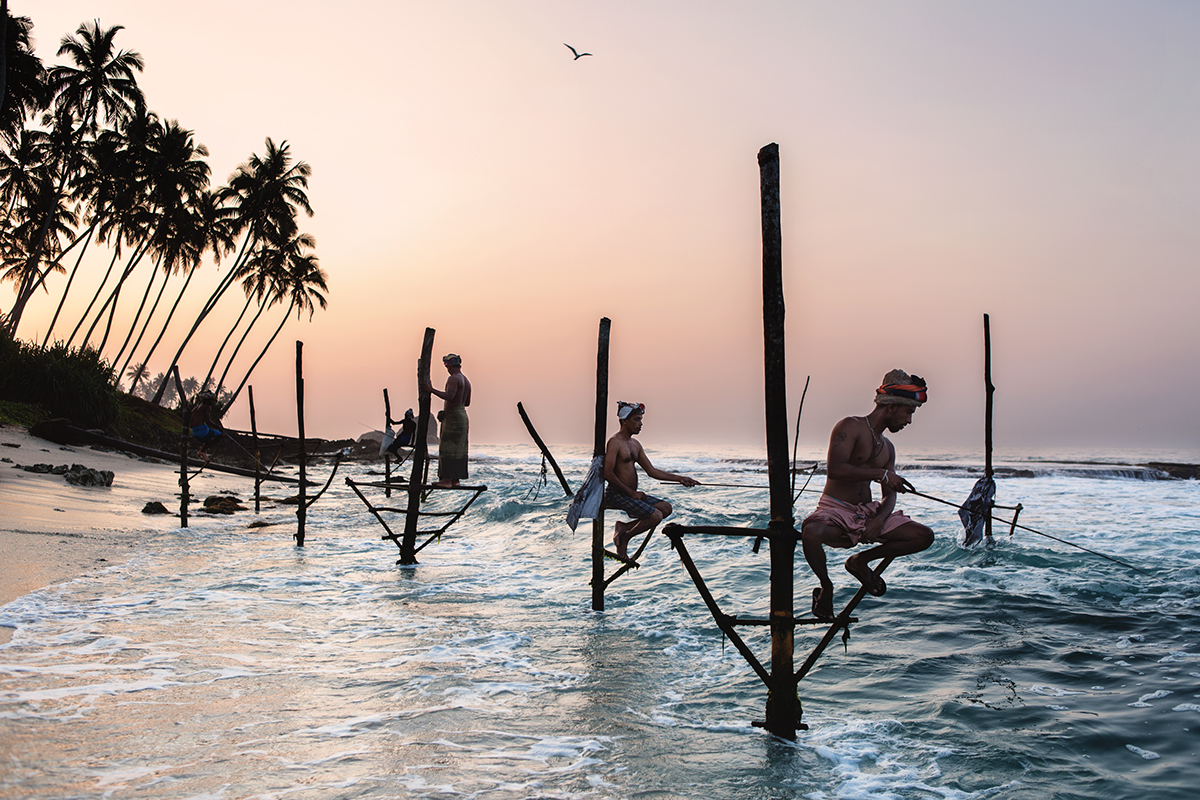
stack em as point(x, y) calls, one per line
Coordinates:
point(103, 200)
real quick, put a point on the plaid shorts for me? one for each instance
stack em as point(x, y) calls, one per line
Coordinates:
point(631, 506)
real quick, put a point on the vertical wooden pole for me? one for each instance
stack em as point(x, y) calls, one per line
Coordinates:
point(987, 414)
point(257, 455)
point(600, 441)
point(408, 543)
point(302, 508)
point(185, 410)
point(387, 457)
point(783, 708)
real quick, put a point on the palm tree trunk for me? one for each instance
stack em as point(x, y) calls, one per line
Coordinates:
point(166, 324)
point(221, 382)
point(225, 283)
point(270, 342)
point(141, 306)
point(146, 324)
point(228, 336)
point(110, 304)
point(70, 279)
point(83, 317)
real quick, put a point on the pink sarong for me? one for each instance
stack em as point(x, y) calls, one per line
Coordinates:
point(852, 518)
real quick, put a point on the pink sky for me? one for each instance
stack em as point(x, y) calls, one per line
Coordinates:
point(940, 160)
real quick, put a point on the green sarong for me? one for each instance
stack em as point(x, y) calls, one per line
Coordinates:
point(452, 444)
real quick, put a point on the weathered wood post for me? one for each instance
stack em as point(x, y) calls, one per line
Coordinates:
point(598, 450)
point(408, 543)
point(185, 411)
point(783, 706)
point(257, 455)
point(387, 457)
point(545, 450)
point(302, 508)
point(987, 415)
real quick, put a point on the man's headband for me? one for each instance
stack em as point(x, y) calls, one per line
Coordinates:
point(452, 360)
point(624, 409)
point(911, 393)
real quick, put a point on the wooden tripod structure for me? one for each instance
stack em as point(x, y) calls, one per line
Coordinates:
point(783, 708)
point(415, 487)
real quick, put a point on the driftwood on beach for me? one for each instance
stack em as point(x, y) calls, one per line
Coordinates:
point(65, 433)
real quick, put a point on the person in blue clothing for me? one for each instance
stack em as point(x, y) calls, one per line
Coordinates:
point(203, 423)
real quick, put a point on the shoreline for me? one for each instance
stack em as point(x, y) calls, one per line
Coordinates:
point(52, 532)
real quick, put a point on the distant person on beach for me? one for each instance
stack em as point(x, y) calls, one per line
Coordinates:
point(620, 456)
point(859, 455)
point(452, 446)
point(405, 436)
point(203, 423)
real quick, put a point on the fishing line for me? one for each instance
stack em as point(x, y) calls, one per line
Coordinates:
point(796, 438)
point(1039, 533)
point(958, 506)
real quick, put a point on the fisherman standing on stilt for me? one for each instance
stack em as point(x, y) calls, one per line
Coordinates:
point(859, 455)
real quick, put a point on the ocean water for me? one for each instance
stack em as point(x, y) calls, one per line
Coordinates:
point(224, 662)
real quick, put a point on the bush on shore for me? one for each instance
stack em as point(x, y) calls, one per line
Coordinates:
point(68, 382)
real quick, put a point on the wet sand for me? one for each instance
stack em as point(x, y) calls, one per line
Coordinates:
point(52, 531)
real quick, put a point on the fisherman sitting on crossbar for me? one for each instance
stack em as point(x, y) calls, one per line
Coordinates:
point(620, 456)
point(859, 455)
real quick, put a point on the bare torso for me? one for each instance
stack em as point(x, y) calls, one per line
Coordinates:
point(853, 443)
point(626, 453)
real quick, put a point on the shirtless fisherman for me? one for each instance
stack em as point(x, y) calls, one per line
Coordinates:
point(859, 455)
point(622, 452)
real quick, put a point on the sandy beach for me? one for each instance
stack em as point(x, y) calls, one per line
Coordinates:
point(52, 531)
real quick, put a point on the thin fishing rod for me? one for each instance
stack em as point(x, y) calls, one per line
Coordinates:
point(1039, 533)
point(796, 438)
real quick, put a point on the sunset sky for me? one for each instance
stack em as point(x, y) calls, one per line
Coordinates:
point(1039, 162)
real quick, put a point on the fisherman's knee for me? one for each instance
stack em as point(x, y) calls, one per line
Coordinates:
point(923, 538)
point(664, 508)
point(656, 517)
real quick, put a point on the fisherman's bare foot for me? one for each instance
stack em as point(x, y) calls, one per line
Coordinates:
point(621, 538)
point(446, 484)
point(866, 576)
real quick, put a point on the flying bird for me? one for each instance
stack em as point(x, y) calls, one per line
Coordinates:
point(572, 49)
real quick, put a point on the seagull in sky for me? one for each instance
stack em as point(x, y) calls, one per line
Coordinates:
point(572, 49)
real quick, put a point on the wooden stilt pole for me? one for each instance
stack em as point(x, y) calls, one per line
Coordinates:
point(783, 706)
point(387, 457)
point(185, 409)
point(257, 455)
point(545, 450)
point(987, 414)
point(408, 543)
point(302, 508)
point(600, 441)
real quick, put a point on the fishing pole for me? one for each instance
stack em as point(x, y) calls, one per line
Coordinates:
point(796, 438)
point(1039, 533)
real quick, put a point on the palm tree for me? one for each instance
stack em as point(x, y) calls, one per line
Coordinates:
point(304, 279)
point(99, 87)
point(265, 191)
point(25, 89)
point(175, 175)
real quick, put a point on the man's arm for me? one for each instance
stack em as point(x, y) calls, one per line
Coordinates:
point(660, 475)
point(455, 389)
point(887, 500)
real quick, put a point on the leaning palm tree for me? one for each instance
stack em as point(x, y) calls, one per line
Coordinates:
point(266, 192)
point(305, 282)
point(98, 86)
point(176, 175)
